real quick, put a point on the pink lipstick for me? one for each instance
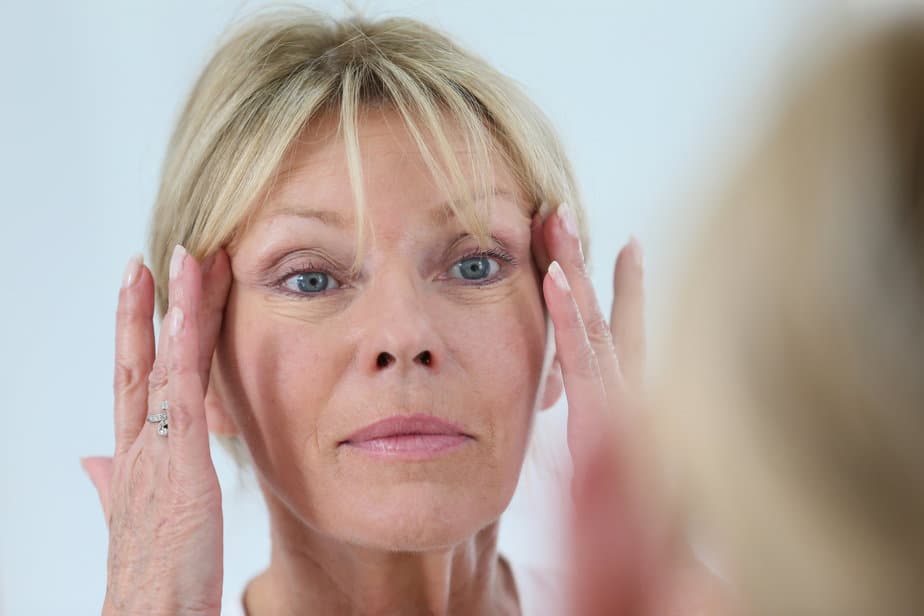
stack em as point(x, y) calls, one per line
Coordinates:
point(408, 437)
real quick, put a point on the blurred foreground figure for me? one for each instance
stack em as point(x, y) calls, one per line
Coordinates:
point(789, 427)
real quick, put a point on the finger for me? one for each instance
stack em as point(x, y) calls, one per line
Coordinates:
point(564, 246)
point(587, 401)
point(216, 282)
point(627, 319)
point(537, 235)
point(189, 442)
point(134, 353)
point(159, 377)
point(99, 469)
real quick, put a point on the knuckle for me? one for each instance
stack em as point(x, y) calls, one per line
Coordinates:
point(179, 415)
point(157, 379)
point(579, 265)
point(598, 331)
point(127, 376)
point(132, 484)
point(178, 364)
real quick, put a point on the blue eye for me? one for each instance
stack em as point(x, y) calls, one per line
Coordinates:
point(475, 268)
point(310, 282)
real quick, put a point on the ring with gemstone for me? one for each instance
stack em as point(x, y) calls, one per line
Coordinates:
point(160, 419)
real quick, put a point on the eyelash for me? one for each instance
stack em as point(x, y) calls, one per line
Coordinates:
point(497, 253)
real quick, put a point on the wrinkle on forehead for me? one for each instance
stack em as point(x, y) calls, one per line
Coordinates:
point(316, 167)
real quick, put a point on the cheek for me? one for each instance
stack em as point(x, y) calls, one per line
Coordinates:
point(284, 370)
point(501, 348)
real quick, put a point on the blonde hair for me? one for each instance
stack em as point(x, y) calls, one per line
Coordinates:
point(793, 413)
point(281, 69)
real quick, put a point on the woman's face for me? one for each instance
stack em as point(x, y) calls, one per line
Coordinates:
point(429, 327)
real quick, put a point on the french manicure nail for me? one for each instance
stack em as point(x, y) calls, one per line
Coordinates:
point(568, 221)
point(175, 321)
point(558, 276)
point(544, 210)
point(638, 255)
point(176, 261)
point(132, 268)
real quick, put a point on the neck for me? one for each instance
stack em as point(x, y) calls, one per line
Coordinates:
point(313, 573)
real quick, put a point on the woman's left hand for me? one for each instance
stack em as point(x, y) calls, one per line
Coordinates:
point(602, 364)
point(627, 559)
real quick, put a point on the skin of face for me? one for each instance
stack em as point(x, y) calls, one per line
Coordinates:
point(297, 371)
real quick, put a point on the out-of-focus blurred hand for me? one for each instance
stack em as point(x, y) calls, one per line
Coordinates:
point(627, 558)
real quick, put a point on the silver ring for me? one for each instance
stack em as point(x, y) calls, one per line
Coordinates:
point(160, 418)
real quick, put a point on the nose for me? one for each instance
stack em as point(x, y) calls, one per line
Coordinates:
point(385, 359)
point(399, 334)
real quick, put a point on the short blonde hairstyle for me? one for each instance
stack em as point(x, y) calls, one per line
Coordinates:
point(283, 68)
point(793, 409)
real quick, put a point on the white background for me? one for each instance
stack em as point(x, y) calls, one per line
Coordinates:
point(647, 97)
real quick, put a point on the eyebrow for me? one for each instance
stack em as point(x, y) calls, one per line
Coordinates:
point(441, 215)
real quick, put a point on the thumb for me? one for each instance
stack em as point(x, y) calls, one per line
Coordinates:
point(99, 469)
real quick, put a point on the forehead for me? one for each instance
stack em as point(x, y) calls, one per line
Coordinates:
point(315, 172)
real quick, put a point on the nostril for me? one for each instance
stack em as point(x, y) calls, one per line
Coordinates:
point(383, 360)
point(425, 358)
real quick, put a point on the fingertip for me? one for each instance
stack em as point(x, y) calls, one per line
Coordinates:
point(177, 261)
point(632, 253)
point(629, 269)
point(635, 250)
point(207, 263)
point(557, 274)
point(216, 269)
point(131, 271)
point(544, 210)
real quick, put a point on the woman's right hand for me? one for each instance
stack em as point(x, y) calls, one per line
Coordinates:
point(160, 495)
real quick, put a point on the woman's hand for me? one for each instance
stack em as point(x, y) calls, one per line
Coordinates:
point(160, 495)
point(627, 558)
point(603, 365)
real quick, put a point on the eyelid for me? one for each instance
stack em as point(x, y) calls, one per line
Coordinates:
point(302, 267)
point(497, 254)
point(306, 268)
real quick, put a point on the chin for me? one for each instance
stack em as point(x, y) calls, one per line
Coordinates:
point(417, 516)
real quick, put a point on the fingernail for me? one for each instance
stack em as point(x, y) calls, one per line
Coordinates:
point(175, 321)
point(544, 210)
point(132, 268)
point(638, 255)
point(558, 276)
point(568, 220)
point(176, 261)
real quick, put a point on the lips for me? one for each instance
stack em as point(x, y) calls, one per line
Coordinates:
point(408, 436)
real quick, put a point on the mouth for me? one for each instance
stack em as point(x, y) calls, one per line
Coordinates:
point(407, 437)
